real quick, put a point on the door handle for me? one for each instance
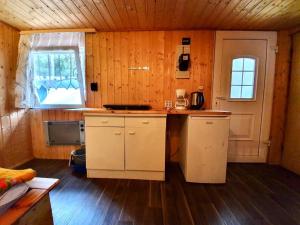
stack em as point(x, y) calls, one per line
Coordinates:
point(118, 133)
point(131, 133)
point(268, 143)
point(145, 122)
point(221, 98)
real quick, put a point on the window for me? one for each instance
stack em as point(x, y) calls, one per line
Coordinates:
point(243, 78)
point(57, 78)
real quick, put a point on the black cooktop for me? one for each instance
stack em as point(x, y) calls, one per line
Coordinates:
point(127, 107)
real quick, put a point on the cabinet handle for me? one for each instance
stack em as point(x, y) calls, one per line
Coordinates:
point(104, 121)
point(145, 122)
point(131, 133)
point(209, 122)
point(117, 133)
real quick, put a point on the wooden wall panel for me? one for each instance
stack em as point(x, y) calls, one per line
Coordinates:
point(108, 56)
point(282, 73)
point(15, 137)
point(291, 153)
point(114, 52)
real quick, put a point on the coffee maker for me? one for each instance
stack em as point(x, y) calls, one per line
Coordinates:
point(181, 100)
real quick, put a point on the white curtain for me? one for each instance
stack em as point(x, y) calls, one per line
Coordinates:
point(25, 95)
point(24, 92)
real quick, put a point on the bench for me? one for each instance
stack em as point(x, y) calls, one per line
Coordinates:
point(34, 207)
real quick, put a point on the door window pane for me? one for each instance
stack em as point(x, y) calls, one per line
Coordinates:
point(237, 64)
point(248, 78)
point(249, 64)
point(237, 78)
point(236, 91)
point(243, 74)
point(247, 92)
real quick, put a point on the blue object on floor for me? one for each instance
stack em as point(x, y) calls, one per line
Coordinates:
point(78, 160)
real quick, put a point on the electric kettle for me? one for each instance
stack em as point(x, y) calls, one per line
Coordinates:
point(197, 100)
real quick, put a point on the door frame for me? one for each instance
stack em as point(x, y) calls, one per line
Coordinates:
point(271, 38)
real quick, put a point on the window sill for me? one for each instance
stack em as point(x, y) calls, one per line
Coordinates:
point(50, 107)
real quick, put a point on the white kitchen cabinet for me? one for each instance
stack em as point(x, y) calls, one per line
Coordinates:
point(125, 146)
point(104, 121)
point(145, 143)
point(105, 148)
point(204, 143)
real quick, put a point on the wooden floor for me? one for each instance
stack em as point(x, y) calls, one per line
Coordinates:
point(254, 194)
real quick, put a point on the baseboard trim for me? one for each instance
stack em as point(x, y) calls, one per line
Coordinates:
point(138, 175)
point(21, 163)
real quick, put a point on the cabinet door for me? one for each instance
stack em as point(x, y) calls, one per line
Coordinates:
point(105, 148)
point(145, 148)
point(207, 149)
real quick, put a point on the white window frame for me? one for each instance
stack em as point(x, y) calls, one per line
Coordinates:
point(79, 74)
point(255, 80)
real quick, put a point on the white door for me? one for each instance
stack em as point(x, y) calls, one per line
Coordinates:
point(145, 148)
point(105, 148)
point(243, 84)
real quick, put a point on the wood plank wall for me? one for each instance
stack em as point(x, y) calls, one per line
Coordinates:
point(291, 153)
point(15, 137)
point(282, 73)
point(108, 56)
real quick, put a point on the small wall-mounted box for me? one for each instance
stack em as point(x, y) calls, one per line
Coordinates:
point(186, 41)
point(94, 86)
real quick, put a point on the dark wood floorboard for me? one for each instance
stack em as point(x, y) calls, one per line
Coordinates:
point(255, 194)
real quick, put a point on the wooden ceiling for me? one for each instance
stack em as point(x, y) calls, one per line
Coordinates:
point(119, 15)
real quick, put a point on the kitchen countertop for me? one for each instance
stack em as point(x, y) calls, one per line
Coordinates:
point(103, 111)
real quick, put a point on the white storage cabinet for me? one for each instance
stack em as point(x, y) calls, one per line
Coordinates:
point(126, 146)
point(204, 144)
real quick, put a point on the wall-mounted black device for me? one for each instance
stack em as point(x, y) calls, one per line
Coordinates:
point(184, 57)
point(186, 41)
point(94, 86)
point(184, 62)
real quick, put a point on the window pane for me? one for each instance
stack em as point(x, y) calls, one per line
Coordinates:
point(249, 64)
point(236, 78)
point(237, 64)
point(59, 85)
point(247, 92)
point(65, 65)
point(57, 66)
point(248, 78)
point(42, 65)
point(235, 92)
point(62, 96)
point(243, 78)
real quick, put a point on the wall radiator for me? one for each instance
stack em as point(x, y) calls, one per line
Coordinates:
point(64, 132)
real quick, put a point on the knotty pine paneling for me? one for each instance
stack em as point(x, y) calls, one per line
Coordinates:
point(280, 98)
point(108, 56)
point(113, 52)
point(291, 153)
point(15, 137)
